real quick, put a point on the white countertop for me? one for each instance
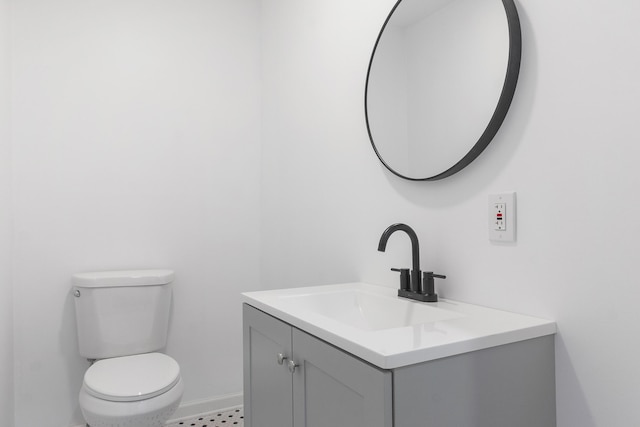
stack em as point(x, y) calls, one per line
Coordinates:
point(374, 324)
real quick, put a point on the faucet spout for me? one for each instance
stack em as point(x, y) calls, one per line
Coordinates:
point(415, 251)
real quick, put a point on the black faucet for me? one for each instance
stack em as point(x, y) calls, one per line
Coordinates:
point(410, 286)
point(415, 252)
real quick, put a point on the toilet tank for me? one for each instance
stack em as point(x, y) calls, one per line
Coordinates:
point(122, 313)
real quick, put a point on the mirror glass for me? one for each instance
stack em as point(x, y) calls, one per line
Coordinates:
point(440, 81)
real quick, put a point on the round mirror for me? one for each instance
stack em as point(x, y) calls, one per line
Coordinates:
point(440, 81)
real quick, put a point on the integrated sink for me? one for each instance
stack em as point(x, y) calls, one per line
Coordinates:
point(373, 323)
point(367, 311)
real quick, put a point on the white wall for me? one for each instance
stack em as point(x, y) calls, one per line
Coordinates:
point(6, 304)
point(316, 157)
point(136, 143)
point(568, 147)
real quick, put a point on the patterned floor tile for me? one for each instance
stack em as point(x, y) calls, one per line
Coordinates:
point(229, 418)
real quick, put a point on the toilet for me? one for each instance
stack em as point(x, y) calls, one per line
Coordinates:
point(123, 320)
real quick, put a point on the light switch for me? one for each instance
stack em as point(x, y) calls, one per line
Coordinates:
point(502, 217)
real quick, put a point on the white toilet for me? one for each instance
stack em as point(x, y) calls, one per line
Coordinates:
point(123, 319)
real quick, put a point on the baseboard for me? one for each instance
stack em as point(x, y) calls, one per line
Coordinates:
point(203, 406)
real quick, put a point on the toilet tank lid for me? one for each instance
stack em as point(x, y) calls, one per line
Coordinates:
point(100, 279)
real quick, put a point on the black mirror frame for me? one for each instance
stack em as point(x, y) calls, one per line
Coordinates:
point(504, 102)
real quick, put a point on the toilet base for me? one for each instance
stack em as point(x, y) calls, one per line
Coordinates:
point(152, 412)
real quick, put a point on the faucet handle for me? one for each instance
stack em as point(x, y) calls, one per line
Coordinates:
point(428, 285)
point(405, 278)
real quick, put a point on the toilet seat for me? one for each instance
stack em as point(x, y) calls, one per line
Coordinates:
point(132, 378)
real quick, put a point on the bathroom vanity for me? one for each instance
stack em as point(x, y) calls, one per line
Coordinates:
point(357, 355)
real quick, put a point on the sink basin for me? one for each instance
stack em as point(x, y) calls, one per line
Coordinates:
point(376, 325)
point(366, 310)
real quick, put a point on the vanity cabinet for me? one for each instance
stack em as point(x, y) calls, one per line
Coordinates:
point(325, 386)
point(501, 386)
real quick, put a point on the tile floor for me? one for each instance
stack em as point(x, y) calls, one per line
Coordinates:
point(230, 418)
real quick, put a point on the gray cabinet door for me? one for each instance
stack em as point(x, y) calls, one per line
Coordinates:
point(268, 395)
point(334, 389)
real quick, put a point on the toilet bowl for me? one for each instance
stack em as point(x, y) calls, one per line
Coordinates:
point(131, 391)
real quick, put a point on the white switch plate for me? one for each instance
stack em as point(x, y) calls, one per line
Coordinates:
point(502, 217)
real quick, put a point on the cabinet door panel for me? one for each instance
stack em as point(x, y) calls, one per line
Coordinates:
point(268, 395)
point(333, 389)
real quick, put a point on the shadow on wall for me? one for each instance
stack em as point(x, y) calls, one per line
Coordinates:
point(577, 405)
point(76, 364)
